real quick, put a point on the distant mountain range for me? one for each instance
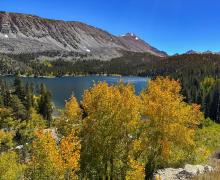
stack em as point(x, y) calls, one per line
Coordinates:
point(205, 52)
point(22, 33)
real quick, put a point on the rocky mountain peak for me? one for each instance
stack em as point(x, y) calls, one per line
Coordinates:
point(131, 35)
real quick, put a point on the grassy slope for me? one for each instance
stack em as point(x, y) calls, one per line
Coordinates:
point(210, 138)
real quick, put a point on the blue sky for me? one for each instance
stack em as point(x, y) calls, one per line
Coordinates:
point(174, 26)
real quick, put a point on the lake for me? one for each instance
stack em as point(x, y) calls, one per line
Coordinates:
point(63, 87)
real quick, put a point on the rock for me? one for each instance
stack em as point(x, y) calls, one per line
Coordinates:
point(185, 173)
point(23, 33)
point(208, 169)
point(194, 169)
point(19, 147)
point(168, 174)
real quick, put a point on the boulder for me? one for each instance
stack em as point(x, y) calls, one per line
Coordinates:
point(185, 173)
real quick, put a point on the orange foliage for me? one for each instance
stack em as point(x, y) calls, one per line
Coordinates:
point(70, 152)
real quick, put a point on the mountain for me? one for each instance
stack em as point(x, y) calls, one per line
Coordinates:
point(135, 44)
point(205, 52)
point(192, 52)
point(22, 33)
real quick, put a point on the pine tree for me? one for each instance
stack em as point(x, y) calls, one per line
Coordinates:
point(1, 101)
point(28, 99)
point(18, 108)
point(45, 105)
point(19, 89)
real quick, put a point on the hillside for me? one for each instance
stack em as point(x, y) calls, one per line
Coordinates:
point(22, 33)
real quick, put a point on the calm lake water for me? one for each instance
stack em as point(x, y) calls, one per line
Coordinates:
point(62, 88)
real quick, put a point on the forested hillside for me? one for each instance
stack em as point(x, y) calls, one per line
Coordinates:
point(198, 73)
point(59, 64)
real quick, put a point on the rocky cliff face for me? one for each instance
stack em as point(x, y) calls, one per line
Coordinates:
point(21, 33)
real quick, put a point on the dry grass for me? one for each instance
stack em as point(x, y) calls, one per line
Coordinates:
point(210, 176)
point(215, 175)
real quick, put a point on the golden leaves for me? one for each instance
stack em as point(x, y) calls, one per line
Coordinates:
point(71, 119)
point(120, 132)
point(110, 127)
point(172, 122)
point(136, 171)
point(72, 109)
point(52, 160)
point(70, 153)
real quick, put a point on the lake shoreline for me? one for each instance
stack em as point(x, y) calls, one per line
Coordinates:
point(64, 87)
point(85, 75)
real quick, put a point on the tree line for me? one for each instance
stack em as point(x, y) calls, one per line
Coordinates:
point(79, 64)
point(192, 70)
point(22, 99)
point(199, 77)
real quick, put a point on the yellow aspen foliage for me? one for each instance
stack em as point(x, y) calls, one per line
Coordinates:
point(136, 171)
point(70, 152)
point(28, 127)
point(171, 123)
point(6, 140)
point(5, 112)
point(10, 169)
point(7, 121)
point(109, 129)
point(50, 160)
point(35, 120)
point(72, 108)
point(46, 162)
point(70, 120)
